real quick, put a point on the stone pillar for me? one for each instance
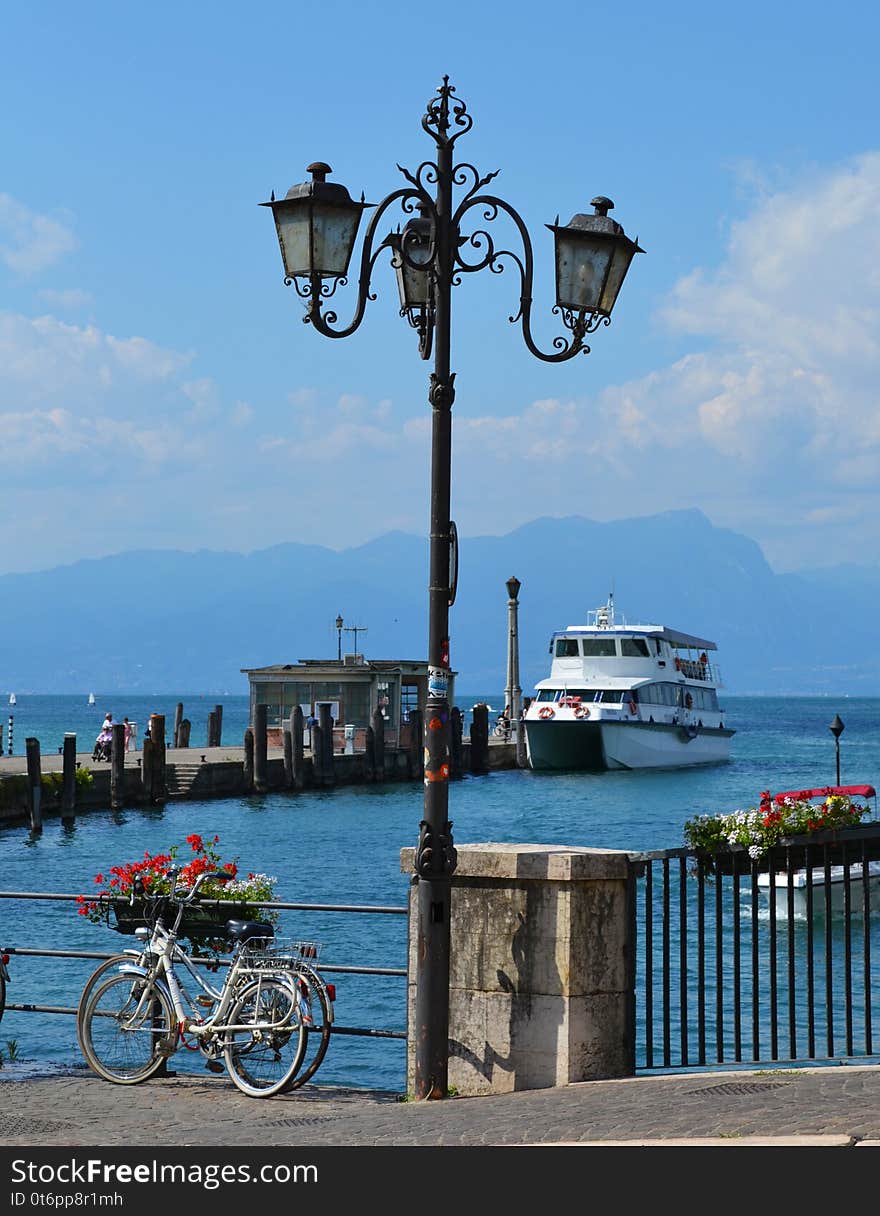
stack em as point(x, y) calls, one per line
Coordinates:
point(542, 967)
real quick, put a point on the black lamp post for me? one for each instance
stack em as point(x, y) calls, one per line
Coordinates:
point(837, 729)
point(339, 638)
point(317, 226)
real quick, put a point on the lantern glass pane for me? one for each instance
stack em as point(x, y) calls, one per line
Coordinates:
point(293, 236)
point(623, 255)
point(335, 229)
point(581, 269)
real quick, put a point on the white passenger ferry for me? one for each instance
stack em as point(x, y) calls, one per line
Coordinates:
point(623, 696)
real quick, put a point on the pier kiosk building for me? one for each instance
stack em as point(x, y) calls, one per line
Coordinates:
point(353, 686)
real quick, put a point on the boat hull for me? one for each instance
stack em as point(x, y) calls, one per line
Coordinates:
point(840, 877)
point(565, 746)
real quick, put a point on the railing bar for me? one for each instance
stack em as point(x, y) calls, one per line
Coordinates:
point(774, 1006)
point(737, 976)
point(719, 972)
point(847, 949)
point(218, 903)
point(342, 968)
point(811, 1029)
point(792, 1009)
point(701, 965)
point(829, 961)
point(683, 956)
point(756, 1028)
point(348, 1030)
point(866, 948)
point(667, 1056)
point(649, 965)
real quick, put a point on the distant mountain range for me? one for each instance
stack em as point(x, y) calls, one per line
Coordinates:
point(168, 621)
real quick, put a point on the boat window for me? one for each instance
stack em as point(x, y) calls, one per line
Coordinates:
point(567, 648)
point(598, 647)
point(634, 648)
point(651, 693)
point(547, 694)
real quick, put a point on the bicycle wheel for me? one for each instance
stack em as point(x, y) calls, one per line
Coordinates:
point(316, 1011)
point(99, 974)
point(126, 1029)
point(264, 1054)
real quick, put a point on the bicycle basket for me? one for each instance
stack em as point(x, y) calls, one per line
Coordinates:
point(275, 954)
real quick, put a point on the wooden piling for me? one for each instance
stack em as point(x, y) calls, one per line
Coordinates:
point(317, 737)
point(455, 749)
point(218, 725)
point(183, 734)
point(157, 735)
point(147, 779)
point(297, 728)
point(261, 750)
point(370, 755)
point(379, 744)
point(178, 718)
point(416, 752)
point(212, 729)
point(247, 766)
point(68, 777)
point(328, 766)
point(117, 767)
point(522, 756)
point(35, 787)
point(287, 741)
point(480, 739)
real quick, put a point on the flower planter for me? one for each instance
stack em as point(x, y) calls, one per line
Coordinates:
point(844, 847)
point(199, 922)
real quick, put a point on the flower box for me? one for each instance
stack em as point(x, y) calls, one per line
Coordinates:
point(199, 921)
point(845, 846)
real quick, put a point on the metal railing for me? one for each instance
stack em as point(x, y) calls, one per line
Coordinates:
point(23, 952)
point(740, 962)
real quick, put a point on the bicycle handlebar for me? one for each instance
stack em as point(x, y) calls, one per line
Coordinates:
point(137, 886)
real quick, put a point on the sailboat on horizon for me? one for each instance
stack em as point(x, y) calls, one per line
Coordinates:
point(12, 700)
point(91, 698)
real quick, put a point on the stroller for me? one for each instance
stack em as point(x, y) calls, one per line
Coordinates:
point(102, 746)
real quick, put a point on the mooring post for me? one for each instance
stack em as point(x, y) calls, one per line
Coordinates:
point(370, 754)
point(218, 725)
point(157, 735)
point(178, 718)
point(212, 729)
point(522, 755)
point(480, 739)
point(117, 767)
point(183, 738)
point(261, 749)
point(35, 787)
point(68, 776)
point(455, 733)
point(147, 779)
point(247, 765)
point(287, 743)
point(416, 756)
point(379, 744)
point(297, 728)
point(328, 766)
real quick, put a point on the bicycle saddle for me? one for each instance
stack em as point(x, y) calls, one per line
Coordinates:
point(244, 930)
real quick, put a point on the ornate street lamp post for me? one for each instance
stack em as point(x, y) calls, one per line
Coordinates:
point(836, 727)
point(317, 226)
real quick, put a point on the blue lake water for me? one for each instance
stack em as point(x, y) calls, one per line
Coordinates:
point(343, 846)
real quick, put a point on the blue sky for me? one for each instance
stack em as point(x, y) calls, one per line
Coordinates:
point(158, 387)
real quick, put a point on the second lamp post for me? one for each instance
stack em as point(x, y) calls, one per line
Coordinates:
point(317, 225)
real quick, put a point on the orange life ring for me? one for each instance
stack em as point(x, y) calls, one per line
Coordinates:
point(688, 701)
point(582, 711)
point(546, 711)
point(678, 664)
point(633, 708)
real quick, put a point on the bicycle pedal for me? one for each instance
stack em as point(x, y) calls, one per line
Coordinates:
point(214, 1066)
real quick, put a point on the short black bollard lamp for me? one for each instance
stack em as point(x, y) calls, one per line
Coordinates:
point(434, 251)
point(837, 729)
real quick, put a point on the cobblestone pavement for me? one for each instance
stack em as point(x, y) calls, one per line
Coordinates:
point(835, 1106)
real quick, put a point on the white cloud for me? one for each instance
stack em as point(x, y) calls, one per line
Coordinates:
point(29, 241)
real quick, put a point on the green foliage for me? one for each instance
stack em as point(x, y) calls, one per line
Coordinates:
point(83, 778)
